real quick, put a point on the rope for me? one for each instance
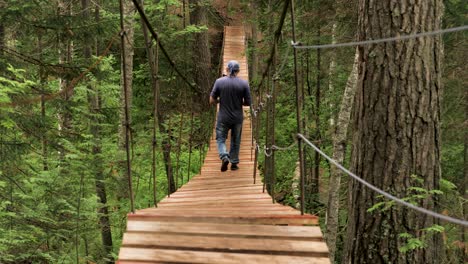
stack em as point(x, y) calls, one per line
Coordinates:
point(274, 147)
point(389, 196)
point(297, 45)
point(67, 89)
point(268, 151)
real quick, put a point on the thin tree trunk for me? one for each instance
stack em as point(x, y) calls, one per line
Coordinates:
point(94, 103)
point(42, 79)
point(339, 146)
point(179, 149)
point(167, 146)
point(65, 48)
point(128, 71)
point(331, 75)
point(254, 65)
point(397, 132)
point(201, 49)
point(153, 61)
point(318, 98)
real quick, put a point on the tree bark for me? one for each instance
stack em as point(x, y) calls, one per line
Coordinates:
point(201, 49)
point(94, 104)
point(397, 135)
point(464, 189)
point(339, 145)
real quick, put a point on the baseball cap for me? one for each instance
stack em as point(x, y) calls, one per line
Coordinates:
point(233, 67)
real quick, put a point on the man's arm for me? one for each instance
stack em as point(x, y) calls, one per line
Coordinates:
point(213, 100)
point(247, 98)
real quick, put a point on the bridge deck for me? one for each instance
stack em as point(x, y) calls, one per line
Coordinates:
point(223, 217)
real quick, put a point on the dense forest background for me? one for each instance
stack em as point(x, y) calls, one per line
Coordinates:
point(64, 193)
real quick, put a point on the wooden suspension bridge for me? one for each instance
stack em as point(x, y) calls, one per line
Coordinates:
point(223, 217)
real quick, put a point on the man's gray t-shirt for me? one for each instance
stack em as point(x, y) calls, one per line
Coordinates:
point(233, 93)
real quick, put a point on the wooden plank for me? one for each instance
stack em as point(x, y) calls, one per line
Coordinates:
point(291, 232)
point(253, 219)
point(191, 256)
point(230, 198)
point(208, 204)
point(282, 246)
point(239, 210)
point(220, 213)
point(201, 187)
point(216, 193)
point(218, 202)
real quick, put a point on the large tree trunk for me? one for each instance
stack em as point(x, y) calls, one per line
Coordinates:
point(94, 104)
point(339, 146)
point(128, 9)
point(397, 131)
point(201, 50)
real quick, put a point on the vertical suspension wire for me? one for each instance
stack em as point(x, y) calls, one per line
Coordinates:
point(170, 168)
point(127, 124)
point(273, 138)
point(190, 142)
point(267, 161)
point(252, 129)
point(155, 123)
point(256, 134)
point(298, 111)
point(179, 148)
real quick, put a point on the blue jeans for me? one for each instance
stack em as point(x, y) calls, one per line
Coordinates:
point(221, 135)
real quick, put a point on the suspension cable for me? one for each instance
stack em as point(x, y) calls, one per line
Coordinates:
point(389, 196)
point(375, 41)
point(163, 50)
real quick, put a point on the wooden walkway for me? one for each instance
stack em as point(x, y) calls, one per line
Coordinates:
point(223, 217)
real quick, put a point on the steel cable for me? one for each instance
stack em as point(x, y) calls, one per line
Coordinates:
point(389, 196)
point(375, 41)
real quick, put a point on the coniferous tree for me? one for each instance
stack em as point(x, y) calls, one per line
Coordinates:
point(397, 135)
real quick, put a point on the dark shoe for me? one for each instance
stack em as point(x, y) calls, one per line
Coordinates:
point(234, 167)
point(225, 164)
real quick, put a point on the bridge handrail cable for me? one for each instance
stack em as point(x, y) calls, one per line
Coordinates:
point(383, 193)
point(382, 40)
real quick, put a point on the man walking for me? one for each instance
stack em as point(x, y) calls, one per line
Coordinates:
point(232, 93)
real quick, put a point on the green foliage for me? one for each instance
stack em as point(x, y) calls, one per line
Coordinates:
point(414, 243)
